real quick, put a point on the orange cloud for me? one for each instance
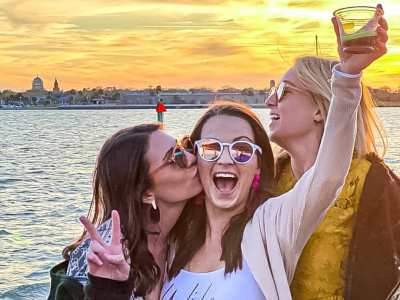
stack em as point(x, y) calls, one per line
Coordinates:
point(178, 43)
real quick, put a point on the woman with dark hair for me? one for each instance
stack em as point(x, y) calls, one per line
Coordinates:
point(146, 177)
point(244, 248)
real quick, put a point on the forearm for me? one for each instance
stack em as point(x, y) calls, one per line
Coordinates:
point(325, 179)
point(301, 209)
point(106, 289)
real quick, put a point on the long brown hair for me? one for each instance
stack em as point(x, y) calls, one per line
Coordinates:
point(119, 182)
point(189, 233)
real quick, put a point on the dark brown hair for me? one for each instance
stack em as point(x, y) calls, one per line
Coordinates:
point(119, 182)
point(189, 233)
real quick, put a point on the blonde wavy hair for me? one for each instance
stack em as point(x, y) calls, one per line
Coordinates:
point(314, 74)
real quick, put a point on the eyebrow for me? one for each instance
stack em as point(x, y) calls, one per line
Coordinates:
point(242, 137)
point(234, 140)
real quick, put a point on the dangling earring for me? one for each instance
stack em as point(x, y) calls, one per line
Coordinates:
point(153, 204)
point(154, 212)
point(256, 181)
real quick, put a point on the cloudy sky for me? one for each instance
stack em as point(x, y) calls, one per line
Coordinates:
point(135, 44)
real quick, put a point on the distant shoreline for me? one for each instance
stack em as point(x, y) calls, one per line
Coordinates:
point(150, 106)
point(119, 106)
point(387, 103)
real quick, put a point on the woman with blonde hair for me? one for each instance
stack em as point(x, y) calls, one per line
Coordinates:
point(235, 243)
point(353, 253)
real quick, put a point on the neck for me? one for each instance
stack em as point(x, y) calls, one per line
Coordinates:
point(303, 152)
point(158, 244)
point(169, 214)
point(218, 221)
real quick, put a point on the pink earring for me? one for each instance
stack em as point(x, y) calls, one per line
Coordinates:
point(256, 181)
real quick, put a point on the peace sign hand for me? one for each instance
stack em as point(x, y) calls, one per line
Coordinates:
point(106, 261)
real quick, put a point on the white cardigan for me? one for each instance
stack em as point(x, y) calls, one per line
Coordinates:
point(275, 236)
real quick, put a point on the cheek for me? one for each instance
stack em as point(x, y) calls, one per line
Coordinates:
point(204, 171)
point(171, 186)
point(293, 119)
point(248, 172)
point(165, 180)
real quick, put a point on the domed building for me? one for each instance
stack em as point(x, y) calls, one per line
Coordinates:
point(37, 84)
point(37, 94)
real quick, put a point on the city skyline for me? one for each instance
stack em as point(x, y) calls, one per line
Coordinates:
point(135, 44)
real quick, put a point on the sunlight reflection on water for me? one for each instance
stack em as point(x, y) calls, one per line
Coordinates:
point(46, 162)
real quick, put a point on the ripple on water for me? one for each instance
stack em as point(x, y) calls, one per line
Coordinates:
point(37, 291)
point(9, 180)
point(38, 274)
point(390, 160)
point(47, 182)
point(4, 232)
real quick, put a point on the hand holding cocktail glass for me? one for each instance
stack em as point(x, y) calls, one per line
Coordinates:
point(354, 62)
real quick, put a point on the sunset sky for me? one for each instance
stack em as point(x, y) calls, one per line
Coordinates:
point(204, 43)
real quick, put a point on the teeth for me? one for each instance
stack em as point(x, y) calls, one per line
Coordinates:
point(274, 116)
point(225, 175)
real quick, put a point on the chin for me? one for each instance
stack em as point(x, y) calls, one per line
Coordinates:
point(225, 204)
point(277, 138)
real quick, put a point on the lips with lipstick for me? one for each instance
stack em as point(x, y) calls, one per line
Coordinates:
point(225, 181)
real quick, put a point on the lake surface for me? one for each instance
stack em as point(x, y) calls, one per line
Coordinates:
point(46, 163)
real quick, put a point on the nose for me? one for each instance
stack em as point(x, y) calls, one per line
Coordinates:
point(271, 101)
point(225, 157)
point(190, 159)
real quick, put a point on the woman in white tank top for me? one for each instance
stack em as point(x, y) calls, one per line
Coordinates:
point(235, 165)
point(235, 245)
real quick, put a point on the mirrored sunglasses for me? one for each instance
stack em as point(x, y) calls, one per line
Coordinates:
point(241, 152)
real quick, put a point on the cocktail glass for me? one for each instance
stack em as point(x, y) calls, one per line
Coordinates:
point(357, 28)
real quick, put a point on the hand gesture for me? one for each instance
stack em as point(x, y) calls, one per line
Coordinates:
point(104, 260)
point(355, 63)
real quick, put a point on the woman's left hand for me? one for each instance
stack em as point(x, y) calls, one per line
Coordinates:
point(355, 63)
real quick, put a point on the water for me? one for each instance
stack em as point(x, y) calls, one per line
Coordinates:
point(46, 162)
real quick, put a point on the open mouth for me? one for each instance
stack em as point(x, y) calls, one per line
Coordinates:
point(225, 181)
point(274, 116)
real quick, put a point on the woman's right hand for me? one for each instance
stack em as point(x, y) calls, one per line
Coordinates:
point(106, 261)
point(355, 63)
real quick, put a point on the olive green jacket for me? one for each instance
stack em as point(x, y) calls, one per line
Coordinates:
point(65, 287)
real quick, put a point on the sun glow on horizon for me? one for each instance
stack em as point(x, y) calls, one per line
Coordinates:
point(186, 43)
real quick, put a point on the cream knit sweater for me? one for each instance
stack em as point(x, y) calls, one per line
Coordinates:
point(274, 238)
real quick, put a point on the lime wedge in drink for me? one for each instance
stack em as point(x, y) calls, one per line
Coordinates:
point(362, 33)
point(348, 26)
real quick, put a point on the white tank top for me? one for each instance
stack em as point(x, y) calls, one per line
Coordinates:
point(214, 285)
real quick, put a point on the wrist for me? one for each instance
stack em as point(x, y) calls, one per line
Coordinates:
point(344, 73)
point(343, 67)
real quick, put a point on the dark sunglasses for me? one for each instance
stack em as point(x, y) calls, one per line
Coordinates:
point(177, 157)
point(241, 152)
